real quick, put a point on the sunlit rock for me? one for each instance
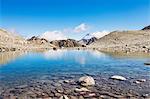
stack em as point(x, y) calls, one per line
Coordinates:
point(117, 77)
point(86, 81)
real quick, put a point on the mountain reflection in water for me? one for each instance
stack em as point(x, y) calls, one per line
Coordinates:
point(81, 59)
point(23, 67)
point(6, 57)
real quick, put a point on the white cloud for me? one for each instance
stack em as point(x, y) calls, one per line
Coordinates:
point(53, 35)
point(99, 34)
point(81, 28)
point(60, 34)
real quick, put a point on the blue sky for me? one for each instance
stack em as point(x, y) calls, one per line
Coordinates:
point(34, 17)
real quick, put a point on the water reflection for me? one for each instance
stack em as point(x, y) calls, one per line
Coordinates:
point(52, 54)
point(128, 55)
point(97, 53)
point(80, 56)
point(6, 57)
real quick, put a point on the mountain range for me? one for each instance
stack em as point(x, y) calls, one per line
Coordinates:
point(87, 39)
point(128, 41)
point(12, 42)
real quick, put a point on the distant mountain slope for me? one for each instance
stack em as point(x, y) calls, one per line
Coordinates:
point(87, 39)
point(146, 28)
point(10, 40)
point(55, 43)
point(66, 43)
point(40, 42)
point(124, 41)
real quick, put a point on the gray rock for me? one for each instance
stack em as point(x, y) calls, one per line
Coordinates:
point(66, 81)
point(140, 81)
point(146, 96)
point(147, 63)
point(117, 77)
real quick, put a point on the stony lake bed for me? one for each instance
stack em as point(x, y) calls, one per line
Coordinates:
point(57, 75)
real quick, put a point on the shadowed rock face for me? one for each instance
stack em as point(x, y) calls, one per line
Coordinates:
point(146, 28)
point(37, 40)
point(56, 43)
point(66, 43)
point(88, 41)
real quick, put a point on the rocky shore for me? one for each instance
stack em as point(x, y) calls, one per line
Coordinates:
point(80, 87)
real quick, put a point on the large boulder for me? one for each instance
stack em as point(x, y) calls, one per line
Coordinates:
point(86, 81)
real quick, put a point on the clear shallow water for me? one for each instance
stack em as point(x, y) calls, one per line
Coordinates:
point(29, 66)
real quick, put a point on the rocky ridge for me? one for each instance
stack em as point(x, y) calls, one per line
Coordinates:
point(126, 41)
point(66, 43)
point(40, 42)
point(12, 42)
point(87, 39)
point(146, 28)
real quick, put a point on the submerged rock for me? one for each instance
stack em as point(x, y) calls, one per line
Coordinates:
point(117, 77)
point(146, 96)
point(81, 89)
point(86, 81)
point(147, 63)
point(67, 81)
point(64, 97)
point(140, 81)
point(12, 49)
